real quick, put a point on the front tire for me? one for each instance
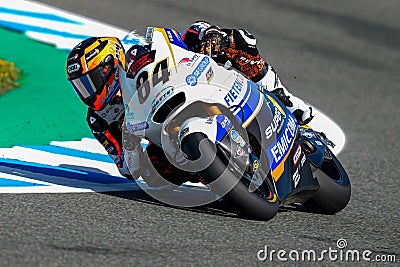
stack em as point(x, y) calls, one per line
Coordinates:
point(223, 181)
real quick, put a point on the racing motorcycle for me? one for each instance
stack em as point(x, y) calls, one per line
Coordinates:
point(240, 139)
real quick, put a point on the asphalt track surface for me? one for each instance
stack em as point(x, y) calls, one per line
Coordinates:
point(340, 56)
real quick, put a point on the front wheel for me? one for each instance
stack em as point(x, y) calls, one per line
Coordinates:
point(334, 190)
point(260, 204)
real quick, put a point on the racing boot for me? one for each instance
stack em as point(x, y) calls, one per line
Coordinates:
point(300, 109)
point(158, 171)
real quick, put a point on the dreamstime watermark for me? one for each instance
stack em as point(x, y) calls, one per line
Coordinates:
point(338, 253)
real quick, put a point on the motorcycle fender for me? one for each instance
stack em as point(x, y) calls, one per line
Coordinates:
point(206, 126)
point(215, 127)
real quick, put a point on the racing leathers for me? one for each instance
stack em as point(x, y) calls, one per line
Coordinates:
point(106, 125)
point(231, 47)
point(237, 48)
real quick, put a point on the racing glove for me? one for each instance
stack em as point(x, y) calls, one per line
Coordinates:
point(159, 171)
point(213, 41)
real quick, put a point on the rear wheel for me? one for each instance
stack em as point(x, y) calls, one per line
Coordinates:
point(261, 204)
point(334, 188)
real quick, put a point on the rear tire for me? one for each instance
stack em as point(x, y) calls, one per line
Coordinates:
point(334, 190)
point(223, 181)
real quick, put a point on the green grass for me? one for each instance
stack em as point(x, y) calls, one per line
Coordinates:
point(45, 107)
point(9, 75)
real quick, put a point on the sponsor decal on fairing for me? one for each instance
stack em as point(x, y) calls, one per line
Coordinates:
point(192, 78)
point(278, 151)
point(137, 126)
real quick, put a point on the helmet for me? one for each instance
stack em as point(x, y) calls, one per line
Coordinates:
point(94, 69)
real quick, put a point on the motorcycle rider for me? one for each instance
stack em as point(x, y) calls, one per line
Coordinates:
point(95, 66)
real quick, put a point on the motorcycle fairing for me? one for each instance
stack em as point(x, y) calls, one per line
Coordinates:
point(286, 131)
point(175, 38)
point(249, 107)
point(224, 124)
point(296, 182)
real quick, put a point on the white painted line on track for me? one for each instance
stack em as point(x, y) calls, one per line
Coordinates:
point(86, 144)
point(52, 25)
point(37, 156)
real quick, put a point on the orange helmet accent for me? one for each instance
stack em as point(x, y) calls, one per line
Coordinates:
point(94, 67)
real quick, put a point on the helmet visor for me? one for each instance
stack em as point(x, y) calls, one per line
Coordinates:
point(93, 82)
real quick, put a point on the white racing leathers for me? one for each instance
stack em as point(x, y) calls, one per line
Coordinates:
point(271, 82)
